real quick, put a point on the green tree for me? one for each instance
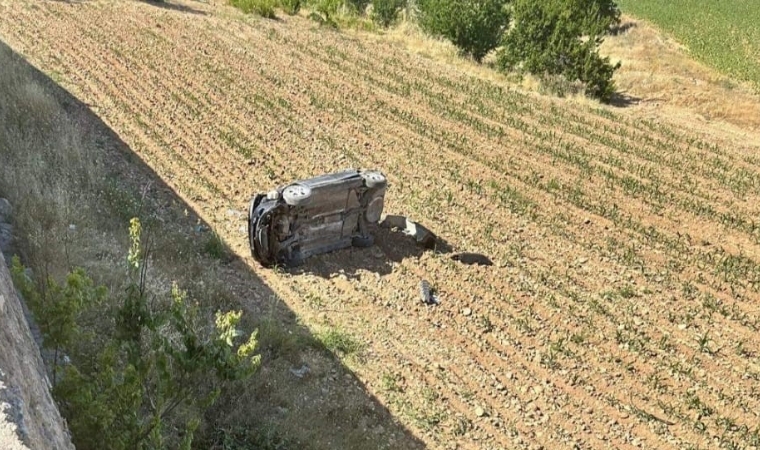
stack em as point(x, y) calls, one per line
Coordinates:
point(474, 26)
point(561, 37)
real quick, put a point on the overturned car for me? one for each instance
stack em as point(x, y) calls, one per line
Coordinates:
point(316, 215)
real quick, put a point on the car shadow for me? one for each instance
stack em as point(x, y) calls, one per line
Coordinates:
point(163, 4)
point(276, 394)
point(391, 246)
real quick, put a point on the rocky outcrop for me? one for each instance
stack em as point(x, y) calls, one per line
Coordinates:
point(29, 418)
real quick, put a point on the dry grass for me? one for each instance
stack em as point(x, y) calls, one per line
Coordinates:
point(48, 173)
point(657, 71)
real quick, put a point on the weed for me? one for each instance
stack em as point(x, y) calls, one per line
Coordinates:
point(314, 301)
point(391, 382)
point(215, 247)
point(338, 341)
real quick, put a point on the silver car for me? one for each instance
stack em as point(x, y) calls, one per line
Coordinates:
point(317, 215)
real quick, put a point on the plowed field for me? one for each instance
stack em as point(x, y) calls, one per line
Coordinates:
point(622, 308)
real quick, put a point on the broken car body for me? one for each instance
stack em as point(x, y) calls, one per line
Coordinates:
point(316, 215)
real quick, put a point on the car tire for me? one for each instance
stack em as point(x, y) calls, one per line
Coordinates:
point(374, 179)
point(297, 195)
point(362, 241)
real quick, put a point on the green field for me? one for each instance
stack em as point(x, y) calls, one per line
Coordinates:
point(722, 33)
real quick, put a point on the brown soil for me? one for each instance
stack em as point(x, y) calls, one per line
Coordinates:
point(622, 308)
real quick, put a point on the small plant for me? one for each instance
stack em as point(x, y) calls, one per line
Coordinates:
point(214, 247)
point(338, 341)
point(357, 6)
point(392, 382)
point(559, 85)
point(327, 9)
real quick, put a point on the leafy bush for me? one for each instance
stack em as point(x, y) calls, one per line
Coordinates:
point(264, 8)
point(561, 37)
point(150, 372)
point(474, 26)
point(384, 12)
point(291, 6)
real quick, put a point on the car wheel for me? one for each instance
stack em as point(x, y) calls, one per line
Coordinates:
point(296, 194)
point(374, 179)
point(361, 241)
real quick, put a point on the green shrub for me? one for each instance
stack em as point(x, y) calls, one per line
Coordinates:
point(474, 26)
point(385, 12)
point(291, 6)
point(149, 374)
point(264, 8)
point(561, 37)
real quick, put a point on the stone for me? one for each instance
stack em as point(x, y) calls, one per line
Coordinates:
point(300, 372)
